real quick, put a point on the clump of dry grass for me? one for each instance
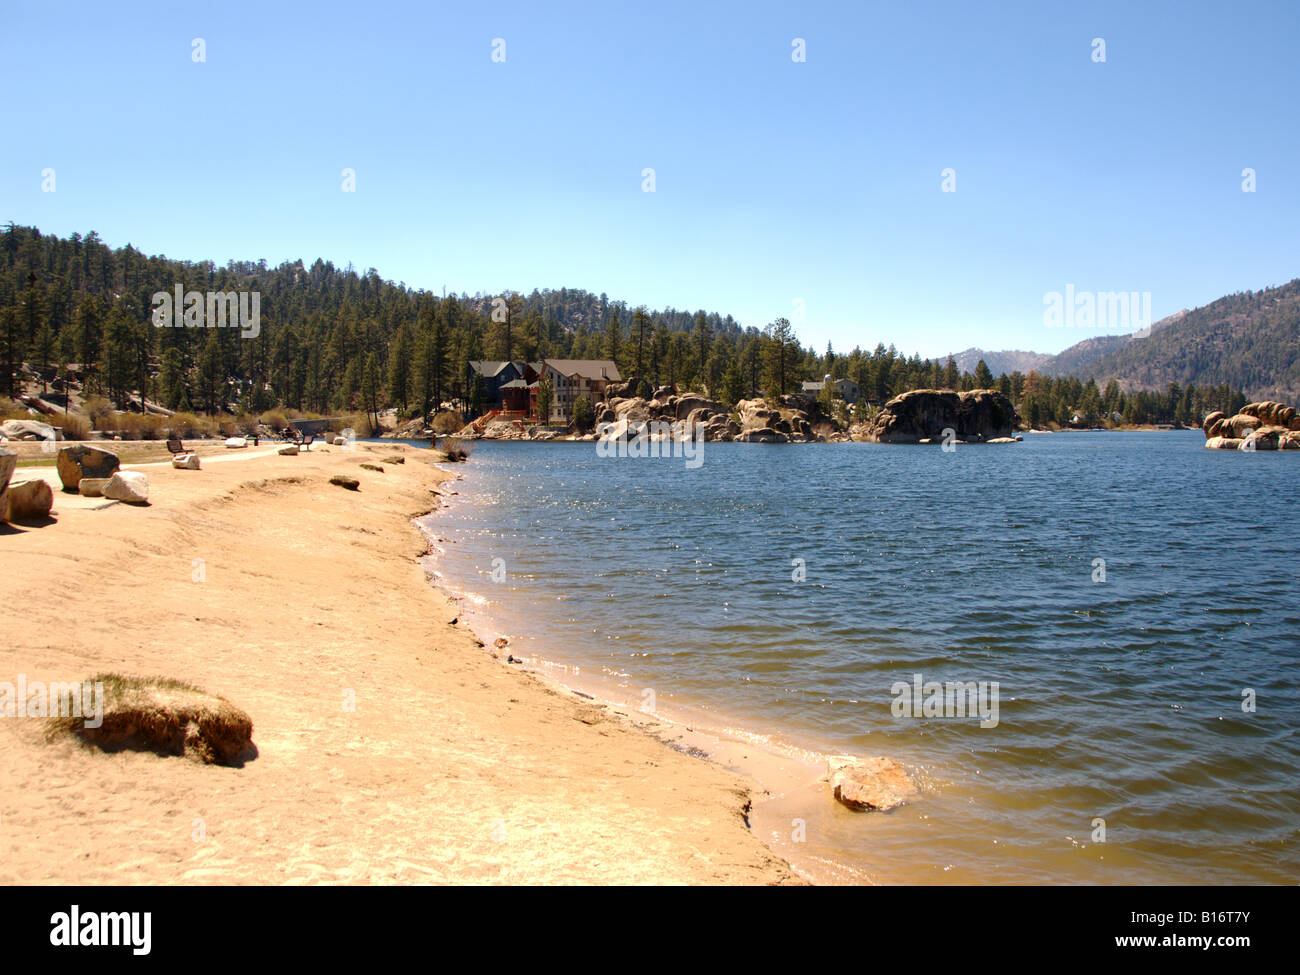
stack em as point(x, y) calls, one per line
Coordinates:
point(140, 426)
point(163, 715)
point(275, 419)
point(448, 421)
point(362, 425)
point(185, 425)
point(74, 425)
point(100, 411)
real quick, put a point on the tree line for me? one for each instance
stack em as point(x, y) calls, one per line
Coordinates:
point(337, 340)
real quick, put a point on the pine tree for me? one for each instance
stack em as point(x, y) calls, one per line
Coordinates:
point(782, 352)
point(640, 327)
point(703, 342)
point(399, 369)
point(612, 335)
point(951, 378)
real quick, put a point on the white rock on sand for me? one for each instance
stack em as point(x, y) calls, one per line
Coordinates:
point(186, 462)
point(236, 442)
point(129, 486)
point(92, 487)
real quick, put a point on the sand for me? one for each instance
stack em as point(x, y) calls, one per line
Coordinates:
point(259, 581)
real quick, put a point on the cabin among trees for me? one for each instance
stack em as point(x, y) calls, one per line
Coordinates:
point(546, 390)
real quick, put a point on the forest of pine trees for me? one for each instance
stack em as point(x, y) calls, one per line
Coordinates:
point(334, 340)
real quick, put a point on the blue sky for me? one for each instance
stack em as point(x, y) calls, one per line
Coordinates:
point(774, 180)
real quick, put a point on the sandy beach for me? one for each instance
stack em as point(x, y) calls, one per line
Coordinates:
point(258, 580)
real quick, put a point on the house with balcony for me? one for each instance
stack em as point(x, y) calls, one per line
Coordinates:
point(572, 379)
point(505, 383)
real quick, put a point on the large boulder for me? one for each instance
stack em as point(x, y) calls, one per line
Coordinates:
point(755, 414)
point(186, 462)
point(1242, 424)
point(8, 461)
point(1223, 443)
point(685, 405)
point(1264, 425)
point(288, 450)
point(236, 443)
point(27, 500)
point(976, 416)
point(762, 435)
point(131, 487)
point(29, 430)
point(83, 460)
point(633, 387)
point(634, 410)
point(865, 784)
point(700, 415)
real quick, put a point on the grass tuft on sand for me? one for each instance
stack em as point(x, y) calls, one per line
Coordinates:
point(167, 716)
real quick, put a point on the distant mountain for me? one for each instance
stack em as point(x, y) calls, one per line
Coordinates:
point(1249, 340)
point(1081, 358)
point(999, 362)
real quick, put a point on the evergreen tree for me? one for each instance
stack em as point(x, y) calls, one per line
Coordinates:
point(399, 370)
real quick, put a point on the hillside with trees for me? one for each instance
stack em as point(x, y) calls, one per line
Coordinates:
point(1249, 340)
point(332, 340)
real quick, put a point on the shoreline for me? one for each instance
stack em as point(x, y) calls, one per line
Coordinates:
point(450, 768)
point(787, 779)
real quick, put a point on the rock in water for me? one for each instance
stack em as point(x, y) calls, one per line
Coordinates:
point(129, 486)
point(1258, 426)
point(27, 501)
point(979, 415)
point(82, 460)
point(865, 784)
point(186, 462)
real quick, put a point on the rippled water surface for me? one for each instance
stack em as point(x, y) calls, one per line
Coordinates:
point(1119, 700)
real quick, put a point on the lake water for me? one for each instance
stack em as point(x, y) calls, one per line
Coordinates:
point(787, 589)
